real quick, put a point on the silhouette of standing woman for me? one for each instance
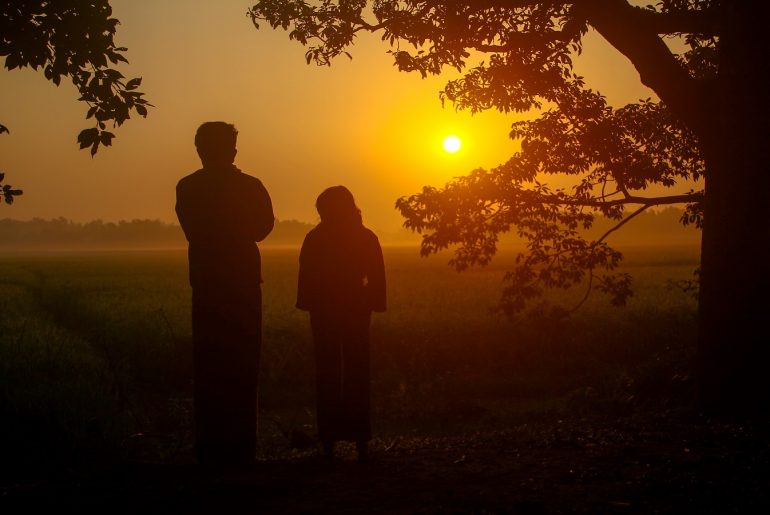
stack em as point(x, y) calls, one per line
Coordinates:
point(341, 281)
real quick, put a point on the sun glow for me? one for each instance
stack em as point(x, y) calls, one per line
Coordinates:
point(452, 144)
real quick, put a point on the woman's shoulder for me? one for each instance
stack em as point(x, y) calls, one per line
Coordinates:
point(321, 233)
point(369, 238)
point(312, 234)
point(368, 233)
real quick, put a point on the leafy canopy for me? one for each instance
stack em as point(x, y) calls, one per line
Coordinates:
point(73, 39)
point(518, 56)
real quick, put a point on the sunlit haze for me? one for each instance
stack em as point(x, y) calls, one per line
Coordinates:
point(303, 128)
point(452, 144)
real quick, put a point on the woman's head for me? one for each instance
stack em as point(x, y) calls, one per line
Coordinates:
point(337, 206)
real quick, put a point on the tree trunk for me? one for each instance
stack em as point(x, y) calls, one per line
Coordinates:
point(734, 334)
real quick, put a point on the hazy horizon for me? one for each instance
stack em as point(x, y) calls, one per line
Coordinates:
point(652, 228)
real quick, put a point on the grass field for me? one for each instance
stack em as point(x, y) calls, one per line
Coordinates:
point(95, 353)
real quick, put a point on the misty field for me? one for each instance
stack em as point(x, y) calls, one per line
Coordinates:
point(471, 412)
point(95, 352)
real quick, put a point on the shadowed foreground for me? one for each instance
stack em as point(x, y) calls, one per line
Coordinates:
point(469, 412)
point(635, 464)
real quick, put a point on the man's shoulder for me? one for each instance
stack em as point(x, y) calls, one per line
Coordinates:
point(190, 179)
point(205, 176)
point(248, 179)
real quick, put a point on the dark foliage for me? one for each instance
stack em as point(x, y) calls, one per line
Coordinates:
point(73, 39)
point(8, 191)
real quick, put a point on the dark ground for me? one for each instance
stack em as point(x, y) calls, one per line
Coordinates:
point(671, 462)
point(471, 415)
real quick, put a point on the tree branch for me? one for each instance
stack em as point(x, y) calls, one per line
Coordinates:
point(518, 40)
point(617, 226)
point(587, 294)
point(704, 22)
point(629, 199)
point(622, 25)
point(620, 224)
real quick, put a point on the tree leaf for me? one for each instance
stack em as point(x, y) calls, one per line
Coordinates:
point(106, 138)
point(134, 83)
point(87, 137)
point(13, 60)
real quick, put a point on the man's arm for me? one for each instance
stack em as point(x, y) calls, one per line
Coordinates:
point(264, 219)
point(181, 211)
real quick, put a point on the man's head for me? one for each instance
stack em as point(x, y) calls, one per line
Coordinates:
point(215, 142)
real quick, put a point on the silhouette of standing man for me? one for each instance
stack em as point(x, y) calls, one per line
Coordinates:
point(224, 213)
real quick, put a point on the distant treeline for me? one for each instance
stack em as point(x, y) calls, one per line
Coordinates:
point(60, 233)
point(653, 227)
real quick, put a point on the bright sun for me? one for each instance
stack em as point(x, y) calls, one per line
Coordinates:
point(452, 144)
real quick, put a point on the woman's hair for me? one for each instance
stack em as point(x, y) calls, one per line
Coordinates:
point(337, 206)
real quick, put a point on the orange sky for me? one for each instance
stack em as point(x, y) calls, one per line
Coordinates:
point(360, 123)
